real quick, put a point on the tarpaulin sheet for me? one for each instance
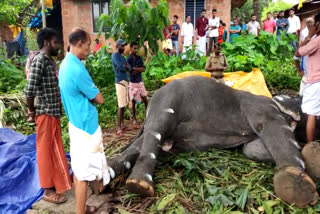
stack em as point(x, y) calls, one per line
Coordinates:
point(19, 179)
point(252, 82)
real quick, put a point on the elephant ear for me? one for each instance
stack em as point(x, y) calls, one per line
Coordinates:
point(289, 106)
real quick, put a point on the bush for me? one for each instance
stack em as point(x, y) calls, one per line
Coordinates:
point(161, 66)
point(11, 78)
point(274, 57)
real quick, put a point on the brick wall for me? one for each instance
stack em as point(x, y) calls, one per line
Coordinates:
point(76, 13)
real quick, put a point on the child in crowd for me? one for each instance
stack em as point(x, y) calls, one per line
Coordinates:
point(137, 90)
point(223, 33)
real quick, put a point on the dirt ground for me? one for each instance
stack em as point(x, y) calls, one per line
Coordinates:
point(110, 201)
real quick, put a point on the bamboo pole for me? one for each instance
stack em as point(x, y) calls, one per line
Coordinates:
point(44, 23)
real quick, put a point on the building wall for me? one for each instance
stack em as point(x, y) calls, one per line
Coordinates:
point(78, 13)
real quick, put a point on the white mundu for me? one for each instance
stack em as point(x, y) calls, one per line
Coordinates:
point(187, 34)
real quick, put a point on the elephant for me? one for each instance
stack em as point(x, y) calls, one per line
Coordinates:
point(198, 113)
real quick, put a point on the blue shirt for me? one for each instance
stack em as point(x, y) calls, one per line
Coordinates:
point(233, 35)
point(118, 62)
point(77, 89)
point(281, 28)
point(135, 62)
point(175, 27)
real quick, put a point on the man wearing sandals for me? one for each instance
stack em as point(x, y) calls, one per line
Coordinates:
point(120, 68)
point(46, 109)
point(79, 96)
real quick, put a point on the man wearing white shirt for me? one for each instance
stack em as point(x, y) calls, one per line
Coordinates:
point(294, 26)
point(253, 27)
point(213, 30)
point(187, 34)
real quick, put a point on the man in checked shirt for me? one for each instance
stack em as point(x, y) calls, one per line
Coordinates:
point(44, 105)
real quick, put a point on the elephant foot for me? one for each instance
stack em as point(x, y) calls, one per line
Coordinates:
point(96, 186)
point(295, 187)
point(311, 156)
point(140, 186)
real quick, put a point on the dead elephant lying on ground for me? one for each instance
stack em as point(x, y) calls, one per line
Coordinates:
point(197, 113)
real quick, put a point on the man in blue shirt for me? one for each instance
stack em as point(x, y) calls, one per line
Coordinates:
point(79, 96)
point(120, 68)
point(282, 24)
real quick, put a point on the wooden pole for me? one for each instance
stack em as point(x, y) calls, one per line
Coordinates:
point(44, 23)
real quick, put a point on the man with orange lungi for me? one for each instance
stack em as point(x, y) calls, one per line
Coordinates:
point(44, 105)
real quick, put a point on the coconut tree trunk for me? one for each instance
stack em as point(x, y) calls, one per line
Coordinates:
point(257, 9)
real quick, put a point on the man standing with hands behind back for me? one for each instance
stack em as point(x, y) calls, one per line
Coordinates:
point(46, 110)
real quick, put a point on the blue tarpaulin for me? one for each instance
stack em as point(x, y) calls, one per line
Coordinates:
point(19, 179)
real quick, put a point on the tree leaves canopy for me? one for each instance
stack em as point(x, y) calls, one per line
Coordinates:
point(136, 21)
point(14, 11)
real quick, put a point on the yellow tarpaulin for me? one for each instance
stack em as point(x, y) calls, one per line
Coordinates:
point(48, 3)
point(252, 82)
point(15, 30)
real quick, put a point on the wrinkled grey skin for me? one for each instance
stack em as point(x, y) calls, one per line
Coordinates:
point(197, 113)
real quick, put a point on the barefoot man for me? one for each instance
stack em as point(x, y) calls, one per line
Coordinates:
point(79, 96)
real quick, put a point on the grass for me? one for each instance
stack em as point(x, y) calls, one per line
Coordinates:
point(217, 181)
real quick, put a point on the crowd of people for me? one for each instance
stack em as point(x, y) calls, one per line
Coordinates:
point(208, 32)
point(48, 89)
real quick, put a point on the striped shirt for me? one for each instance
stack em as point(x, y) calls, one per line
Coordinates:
point(42, 83)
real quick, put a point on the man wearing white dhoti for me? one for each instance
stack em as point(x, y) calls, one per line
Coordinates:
point(311, 98)
point(201, 28)
point(79, 93)
point(187, 34)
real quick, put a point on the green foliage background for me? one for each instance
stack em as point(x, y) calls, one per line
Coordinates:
point(276, 6)
point(136, 21)
point(273, 56)
point(17, 11)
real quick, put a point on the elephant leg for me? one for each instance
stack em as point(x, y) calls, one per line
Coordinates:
point(311, 156)
point(291, 183)
point(255, 150)
point(122, 162)
point(140, 181)
point(156, 131)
